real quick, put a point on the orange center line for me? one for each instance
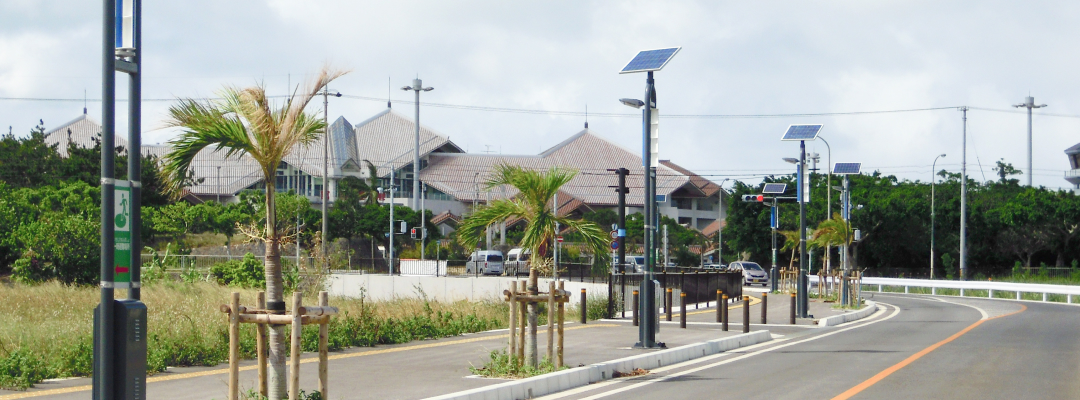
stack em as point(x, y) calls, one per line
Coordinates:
point(889, 371)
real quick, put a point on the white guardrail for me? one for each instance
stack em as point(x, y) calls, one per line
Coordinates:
point(991, 286)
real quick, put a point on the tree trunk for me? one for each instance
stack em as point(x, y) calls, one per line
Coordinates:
point(530, 338)
point(275, 298)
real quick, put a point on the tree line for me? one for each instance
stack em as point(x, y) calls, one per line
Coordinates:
point(1007, 224)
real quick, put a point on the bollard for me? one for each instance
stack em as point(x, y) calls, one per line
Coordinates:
point(719, 304)
point(764, 307)
point(724, 315)
point(682, 311)
point(635, 305)
point(793, 308)
point(745, 314)
point(669, 305)
point(584, 312)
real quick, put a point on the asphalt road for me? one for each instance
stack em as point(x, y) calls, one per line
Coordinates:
point(915, 347)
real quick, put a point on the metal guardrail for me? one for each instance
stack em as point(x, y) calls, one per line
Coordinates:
point(990, 286)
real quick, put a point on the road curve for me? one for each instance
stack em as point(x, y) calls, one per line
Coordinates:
point(915, 347)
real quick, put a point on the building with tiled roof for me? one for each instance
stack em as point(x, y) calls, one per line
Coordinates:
point(82, 131)
point(453, 179)
point(1073, 175)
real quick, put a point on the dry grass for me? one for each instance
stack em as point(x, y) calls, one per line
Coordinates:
point(53, 323)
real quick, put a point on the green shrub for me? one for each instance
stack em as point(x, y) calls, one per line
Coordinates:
point(502, 365)
point(20, 369)
point(247, 272)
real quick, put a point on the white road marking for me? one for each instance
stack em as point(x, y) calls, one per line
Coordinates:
point(583, 389)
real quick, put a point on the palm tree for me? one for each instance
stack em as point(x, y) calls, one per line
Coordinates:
point(791, 241)
point(832, 232)
point(371, 194)
point(245, 122)
point(533, 205)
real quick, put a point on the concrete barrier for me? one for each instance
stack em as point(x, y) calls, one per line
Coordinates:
point(576, 377)
point(848, 317)
point(447, 289)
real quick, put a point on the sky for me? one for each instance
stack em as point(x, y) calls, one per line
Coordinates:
point(725, 99)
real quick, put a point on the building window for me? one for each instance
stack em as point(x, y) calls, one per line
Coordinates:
point(683, 203)
point(705, 205)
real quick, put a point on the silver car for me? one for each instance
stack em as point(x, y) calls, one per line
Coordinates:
point(752, 273)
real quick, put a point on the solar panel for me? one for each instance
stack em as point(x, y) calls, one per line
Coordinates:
point(847, 168)
point(802, 132)
point(774, 188)
point(650, 60)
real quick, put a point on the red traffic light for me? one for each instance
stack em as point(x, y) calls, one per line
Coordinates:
point(754, 198)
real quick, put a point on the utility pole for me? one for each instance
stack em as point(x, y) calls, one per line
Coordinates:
point(423, 225)
point(803, 293)
point(324, 195)
point(1029, 103)
point(622, 190)
point(933, 171)
point(963, 199)
point(666, 261)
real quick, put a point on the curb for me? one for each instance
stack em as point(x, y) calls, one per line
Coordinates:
point(575, 377)
point(848, 317)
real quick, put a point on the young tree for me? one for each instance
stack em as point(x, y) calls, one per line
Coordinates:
point(532, 204)
point(245, 122)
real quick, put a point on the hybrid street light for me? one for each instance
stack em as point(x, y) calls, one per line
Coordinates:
point(846, 169)
point(417, 87)
point(802, 133)
point(933, 171)
point(1029, 103)
point(649, 61)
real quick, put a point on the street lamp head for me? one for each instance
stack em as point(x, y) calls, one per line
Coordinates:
point(632, 102)
point(406, 88)
point(942, 155)
point(337, 94)
point(428, 89)
point(791, 160)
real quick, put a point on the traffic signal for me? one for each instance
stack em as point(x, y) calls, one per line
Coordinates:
point(412, 233)
point(753, 198)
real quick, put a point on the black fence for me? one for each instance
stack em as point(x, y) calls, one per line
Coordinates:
point(700, 286)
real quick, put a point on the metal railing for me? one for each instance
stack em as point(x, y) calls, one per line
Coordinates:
point(970, 288)
point(700, 287)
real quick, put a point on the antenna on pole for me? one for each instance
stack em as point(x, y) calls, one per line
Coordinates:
point(84, 101)
point(388, 90)
point(586, 116)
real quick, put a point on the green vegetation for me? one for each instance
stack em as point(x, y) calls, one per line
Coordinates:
point(502, 365)
point(1007, 223)
point(45, 332)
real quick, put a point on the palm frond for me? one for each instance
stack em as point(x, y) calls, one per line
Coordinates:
point(204, 125)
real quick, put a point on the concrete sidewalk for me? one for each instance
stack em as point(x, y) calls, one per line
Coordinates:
point(434, 367)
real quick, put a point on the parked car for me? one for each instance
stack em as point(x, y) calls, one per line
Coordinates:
point(517, 262)
point(487, 262)
point(715, 267)
point(752, 272)
point(634, 264)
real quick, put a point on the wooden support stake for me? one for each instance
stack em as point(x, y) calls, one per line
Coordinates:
point(294, 356)
point(562, 321)
point(234, 347)
point(511, 348)
point(523, 321)
point(260, 344)
point(635, 306)
point(551, 322)
point(668, 307)
point(324, 336)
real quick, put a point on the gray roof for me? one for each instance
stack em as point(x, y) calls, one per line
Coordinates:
point(82, 131)
point(1073, 150)
point(585, 152)
point(387, 138)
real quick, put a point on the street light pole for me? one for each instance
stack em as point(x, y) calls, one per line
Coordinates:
point(417, 87)
point(1029, 103)
point(933, 170)
point(719, 227)
point(802, 289)
point(828, 199)
point(963, 199)
point(324, 195)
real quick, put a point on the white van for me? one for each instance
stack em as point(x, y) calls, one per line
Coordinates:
point(634, 264)
point(487, 262)
point(517, 262)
